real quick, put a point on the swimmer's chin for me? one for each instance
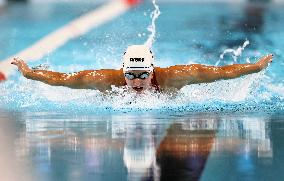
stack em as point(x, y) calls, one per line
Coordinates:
point(138, 89)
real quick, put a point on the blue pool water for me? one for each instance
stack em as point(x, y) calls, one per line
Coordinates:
point(184, 36)
point(57, 146)
point(225, 130)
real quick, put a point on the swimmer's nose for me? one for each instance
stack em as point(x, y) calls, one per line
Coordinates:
point(136, 82)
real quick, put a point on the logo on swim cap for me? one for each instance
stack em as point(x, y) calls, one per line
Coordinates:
point(138, 57)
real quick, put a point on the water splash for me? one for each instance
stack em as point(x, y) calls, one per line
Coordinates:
point(235, 53)
point(41, 67)
point(152, 28)
point(248, 93)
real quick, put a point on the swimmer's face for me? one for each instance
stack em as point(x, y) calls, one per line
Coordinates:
point(138, 80)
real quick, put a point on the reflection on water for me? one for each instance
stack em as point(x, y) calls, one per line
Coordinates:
point(140, 147)
point(139, 151)
point(182, 154)
point(13, 150)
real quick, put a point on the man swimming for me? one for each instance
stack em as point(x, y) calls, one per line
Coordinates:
point(139, 74)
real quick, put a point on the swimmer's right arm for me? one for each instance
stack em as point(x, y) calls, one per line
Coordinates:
point(87, 79)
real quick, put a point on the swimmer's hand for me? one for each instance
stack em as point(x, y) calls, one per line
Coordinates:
point(22, 66)
point(264, 61)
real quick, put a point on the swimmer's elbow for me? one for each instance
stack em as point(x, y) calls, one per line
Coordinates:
point(78, 84)
point(53, 82)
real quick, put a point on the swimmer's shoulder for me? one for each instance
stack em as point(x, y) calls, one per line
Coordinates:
point(113, 76)
point(167, 72)
point(108, 73)
point(175, 76)
point(103, 79)
point(175, 69)
point(162, 75)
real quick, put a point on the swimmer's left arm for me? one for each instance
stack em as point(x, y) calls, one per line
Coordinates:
point(213, 73)
point(181, 75)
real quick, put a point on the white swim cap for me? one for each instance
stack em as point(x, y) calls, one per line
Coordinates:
point(138, 57)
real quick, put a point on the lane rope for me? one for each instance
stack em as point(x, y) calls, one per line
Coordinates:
point(59, 37)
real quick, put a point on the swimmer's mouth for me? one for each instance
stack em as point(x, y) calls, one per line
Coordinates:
point(138, 89)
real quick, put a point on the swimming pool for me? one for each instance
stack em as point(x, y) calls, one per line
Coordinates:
point(220, 131)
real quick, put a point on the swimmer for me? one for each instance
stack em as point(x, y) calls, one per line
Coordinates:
point(139, 74)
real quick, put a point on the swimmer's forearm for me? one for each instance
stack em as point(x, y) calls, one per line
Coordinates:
point(48, 77)
point(237, 70)
point(206, 74)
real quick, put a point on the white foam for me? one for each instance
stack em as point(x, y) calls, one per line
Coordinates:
point(27, 94)
point(120, 98)
point(279, 89)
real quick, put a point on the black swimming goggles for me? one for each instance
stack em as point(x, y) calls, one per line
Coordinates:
point(131, 76)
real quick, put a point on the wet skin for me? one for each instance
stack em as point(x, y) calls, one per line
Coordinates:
point(169, 78)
